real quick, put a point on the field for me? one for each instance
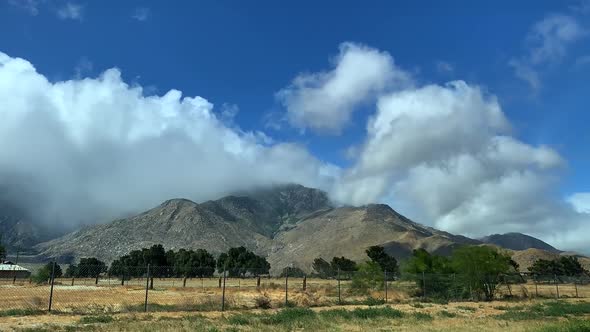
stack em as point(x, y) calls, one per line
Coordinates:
point(195, 304)
point(535, 315)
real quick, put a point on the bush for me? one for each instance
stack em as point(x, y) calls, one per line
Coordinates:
point(368, 277)
point(262, 302)
point(44, 274)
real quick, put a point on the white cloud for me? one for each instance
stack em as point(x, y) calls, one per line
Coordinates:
point(547, 43)
point(90, 149)
point(70, 11)
point(141, 14)
point(325, 101)
point(580, 202)
point(93, 148)
point(444, 67)
point(31, 6)
point(444, 156)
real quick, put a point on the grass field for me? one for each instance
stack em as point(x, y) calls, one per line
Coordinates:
point(535, 315)
point(108, 296)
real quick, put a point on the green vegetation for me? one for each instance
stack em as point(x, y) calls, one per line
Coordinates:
point(470, 270)
point(87, 268)
point(386, 262)
point(292, 272)
point(96, 319)
point(564, 266)
point(368, 277)
point(184, 263)
point(21, 312)
point(544, 310)
point(44, 273)
point(240, 261)
point(568, 326)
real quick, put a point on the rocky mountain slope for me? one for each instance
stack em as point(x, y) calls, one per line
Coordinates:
point(518, 241)
point(17, 231)
point(291, 225)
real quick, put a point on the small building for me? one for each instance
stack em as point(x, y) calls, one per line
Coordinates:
point(10, 270)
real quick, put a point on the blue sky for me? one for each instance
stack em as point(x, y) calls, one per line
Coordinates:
point(242, 55)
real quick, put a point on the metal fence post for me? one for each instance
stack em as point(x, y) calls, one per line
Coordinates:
point(147, 284)
point(338, 277)
point(286, 287)
point(556, 286)
point(51, 288)
point(385, 284)
point(223, 293)
point(423, 285)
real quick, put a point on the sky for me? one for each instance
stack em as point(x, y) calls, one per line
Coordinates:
point(467, 116)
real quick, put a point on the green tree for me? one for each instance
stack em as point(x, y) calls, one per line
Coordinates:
point(564, 266)
point(432, 274)
point(189, 263)
point(343, 264)
point(44, 273)
point(2, 252)
point(480, 269)
point(322, 268)
point(240, 261)
point(294, 272)
point(87, 268)
point(368, 277)
point(378, 255)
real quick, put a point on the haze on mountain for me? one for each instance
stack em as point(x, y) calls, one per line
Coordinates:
point(291, 225)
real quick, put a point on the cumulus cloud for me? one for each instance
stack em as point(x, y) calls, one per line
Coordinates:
point(70, 11)
point(445, 156)
point(324, 101)
point(547, 43)
point(92, 149)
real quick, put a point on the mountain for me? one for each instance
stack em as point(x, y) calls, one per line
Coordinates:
point(17, 231)
point(349, 231)
point(250, 220)
point(518, 241)
point(288, 224)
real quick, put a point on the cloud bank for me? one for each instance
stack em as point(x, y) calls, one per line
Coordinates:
point(90, 149)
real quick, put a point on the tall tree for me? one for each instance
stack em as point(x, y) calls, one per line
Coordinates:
point(343, 264)
point(386, 262)
point(240, 261)
point(322, 268)
point(481, 268)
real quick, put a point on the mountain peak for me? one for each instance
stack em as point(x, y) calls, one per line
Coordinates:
point(518, 241)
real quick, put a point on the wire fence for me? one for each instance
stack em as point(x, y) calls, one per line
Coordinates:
point(93, 289)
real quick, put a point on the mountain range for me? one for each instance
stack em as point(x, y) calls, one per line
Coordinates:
point(291, 225)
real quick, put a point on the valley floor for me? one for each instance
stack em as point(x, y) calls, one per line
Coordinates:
point(524, 315)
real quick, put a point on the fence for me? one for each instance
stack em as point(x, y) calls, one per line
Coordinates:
point(95, 290)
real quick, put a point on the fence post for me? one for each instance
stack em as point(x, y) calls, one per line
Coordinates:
point(385, 284)
point(556, 286)
point(147, 284)
point(219, 282)
point(338, 277)
point(257, 282)
point(223, 292)
point(287, 287)
point(184, 282)
point(51, 288)
point(304, 283)
point(96, 280)
point(72, 281)
point(423, 285)
point(576, 286)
